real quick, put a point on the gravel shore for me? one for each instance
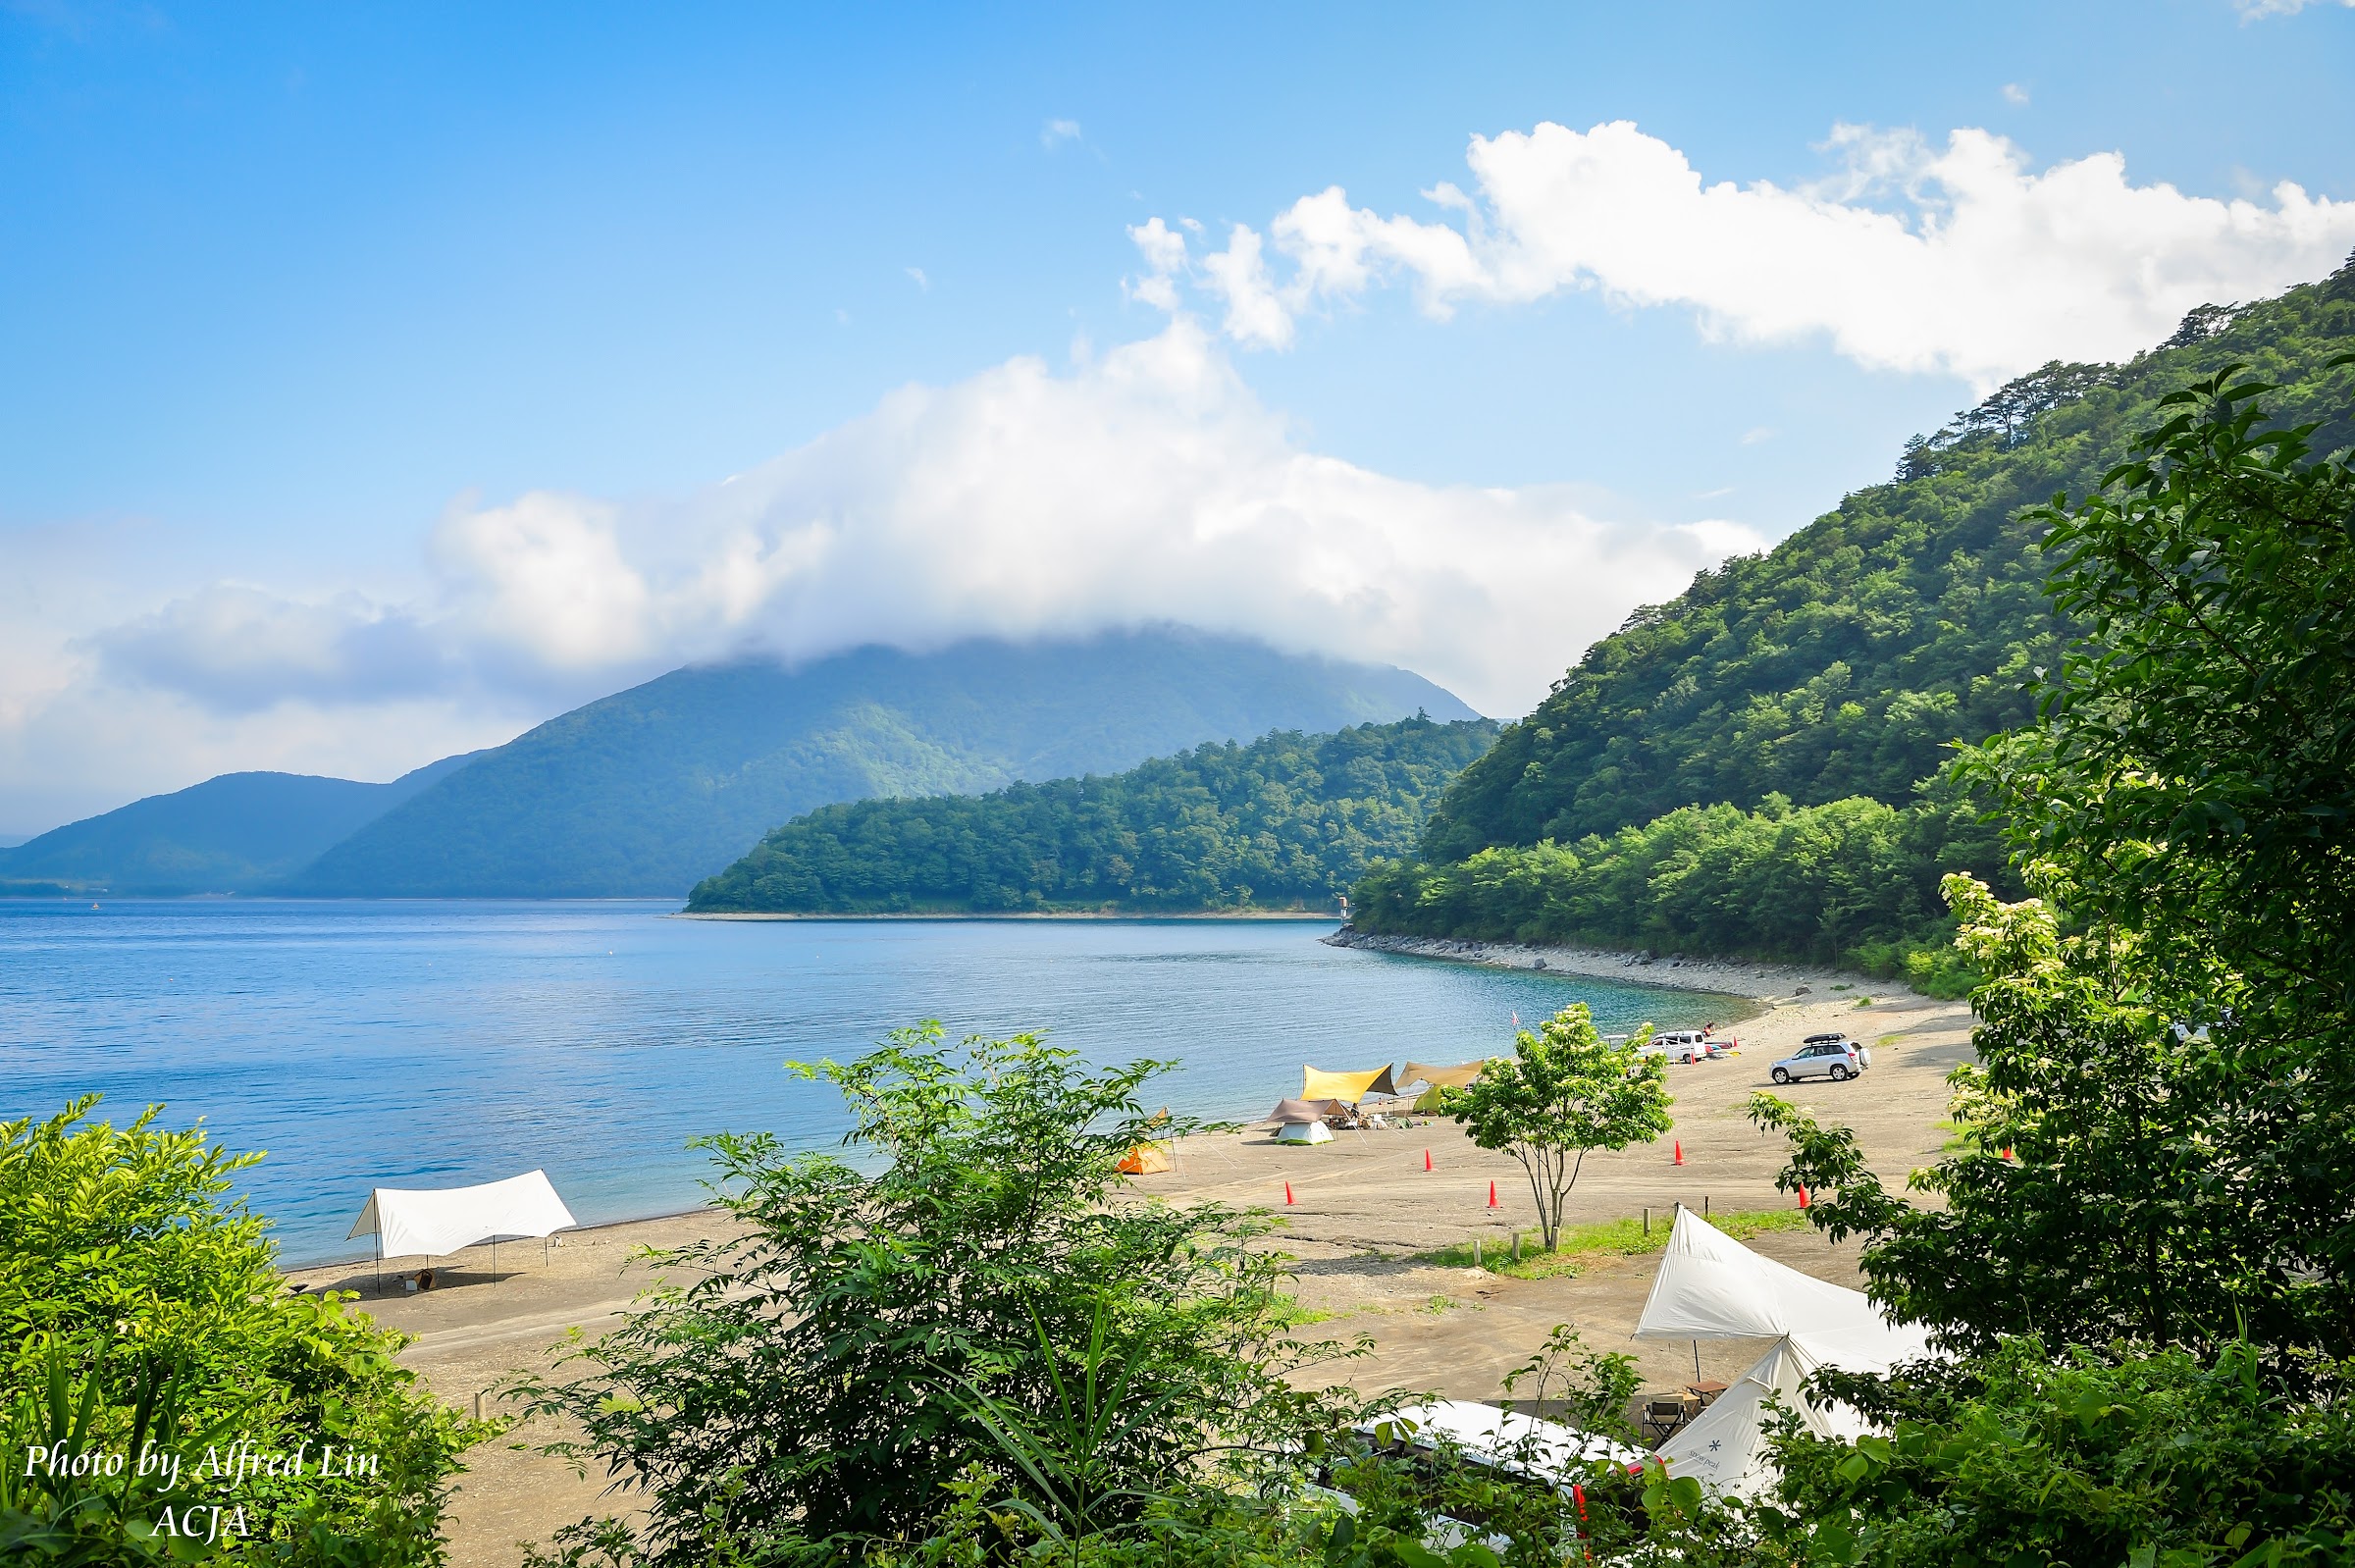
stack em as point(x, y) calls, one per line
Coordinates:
point(1772, 983)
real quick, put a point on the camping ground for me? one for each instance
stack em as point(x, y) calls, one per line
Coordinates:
point(1367, 1215)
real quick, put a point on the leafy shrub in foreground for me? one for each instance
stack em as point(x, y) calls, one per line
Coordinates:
point(2127, 1456)
point(833, 1368)
point(122, 1266)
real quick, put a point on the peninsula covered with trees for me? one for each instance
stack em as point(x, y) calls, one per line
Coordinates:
point(1287, 821)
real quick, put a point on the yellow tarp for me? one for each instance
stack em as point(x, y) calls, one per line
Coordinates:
point(1346, 1086)
point(1147, 1159)
point(1455, 1077)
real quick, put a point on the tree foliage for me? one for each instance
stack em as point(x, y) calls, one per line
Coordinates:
point(866, 1337)
point(1850, 880)
point(2165, 1460)
point(126, 1273)
point(1287, 820)
point(1563, 1092)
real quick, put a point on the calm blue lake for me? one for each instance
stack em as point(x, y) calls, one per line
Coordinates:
point(426, 1044)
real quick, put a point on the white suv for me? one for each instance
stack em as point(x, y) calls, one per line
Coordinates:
point(1838, 1059)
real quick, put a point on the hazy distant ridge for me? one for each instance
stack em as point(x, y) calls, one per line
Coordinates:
point(236, 833)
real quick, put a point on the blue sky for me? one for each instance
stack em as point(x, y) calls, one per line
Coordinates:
point(375, 375)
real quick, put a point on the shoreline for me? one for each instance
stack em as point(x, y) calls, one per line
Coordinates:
point(1771, 984)
point(1300, 915)
point(289, 1268)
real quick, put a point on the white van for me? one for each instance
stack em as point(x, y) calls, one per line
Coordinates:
point(1681, 1045)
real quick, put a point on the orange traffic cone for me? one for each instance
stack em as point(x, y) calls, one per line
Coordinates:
point(1287, 1192)
point(1803, 1197)
point(1426, 1159)
point(1492, 1203)
point(1680, 1152)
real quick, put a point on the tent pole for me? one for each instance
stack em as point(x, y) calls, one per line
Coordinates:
point(1697, 1361)
point(380, 1262)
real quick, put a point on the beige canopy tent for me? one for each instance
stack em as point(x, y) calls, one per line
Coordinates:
point(1457, 1076)
point(1292, 1112)
point(1350, 1087)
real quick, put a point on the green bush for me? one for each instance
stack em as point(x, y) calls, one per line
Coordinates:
point(866, 1338)
point(122, 1263)
point(2127, 1456)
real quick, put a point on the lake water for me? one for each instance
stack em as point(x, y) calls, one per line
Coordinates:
point(432, 1044)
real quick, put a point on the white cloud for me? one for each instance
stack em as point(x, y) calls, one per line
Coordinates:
point(1056, 131)
point(1907, 256)
point(1165, 260)
point(1143, 484)
point(1239, 276)
point(246, 649)
point(2259, 9)
point(2016, 95)
point(917, 275)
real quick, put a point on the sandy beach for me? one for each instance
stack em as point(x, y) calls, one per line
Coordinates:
point(1365, 1213)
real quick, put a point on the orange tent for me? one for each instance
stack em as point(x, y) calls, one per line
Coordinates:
point(1148, 1159)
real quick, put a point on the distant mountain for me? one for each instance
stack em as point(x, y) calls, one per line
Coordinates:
point(645, 792)
point(236, 833)
point(1285, 821)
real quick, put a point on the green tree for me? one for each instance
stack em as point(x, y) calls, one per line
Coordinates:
point(1564, 1092)
point(868, 1335)
point(126, 1270)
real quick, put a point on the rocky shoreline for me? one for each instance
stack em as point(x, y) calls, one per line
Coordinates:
point(1771, 984)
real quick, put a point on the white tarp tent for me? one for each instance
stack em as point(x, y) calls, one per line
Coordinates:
point(1712, 1286)
point(1724, 1447)
point(435, 1221)
point(1510, 1439)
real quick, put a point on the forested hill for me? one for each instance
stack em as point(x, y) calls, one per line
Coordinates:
point(644, 792)
point(1285, 821)
point(1841, 662)
point(1751, 769)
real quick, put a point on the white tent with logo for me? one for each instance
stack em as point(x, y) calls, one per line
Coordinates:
point(1710, 1287)
point(432, 1222)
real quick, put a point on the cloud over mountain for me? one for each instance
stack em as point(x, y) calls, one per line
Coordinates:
point(1146, 484)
